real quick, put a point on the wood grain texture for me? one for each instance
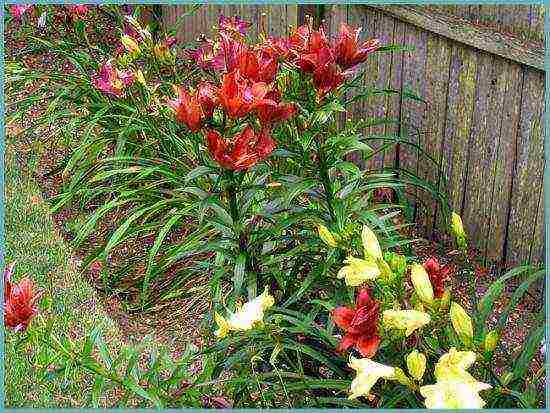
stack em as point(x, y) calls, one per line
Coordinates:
point(437, 80)
point(504, 163)
point(485, 38)
point(527, 180)
point(460, 107)
point(483, 146)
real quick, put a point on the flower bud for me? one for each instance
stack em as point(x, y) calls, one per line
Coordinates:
point(506, 378)
point(445, 301)
point(462, 323)
point(416, 364)
point(421, 282)
point(491, 340)
point(139, 77)
point(370, 243)
point(458, 230)
point(397, 262)
point(130, 44)
point(326, 236)
point(401, 377)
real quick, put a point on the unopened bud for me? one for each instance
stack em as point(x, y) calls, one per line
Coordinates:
point(421, 282)
point(462, 323)
point(401, 377)
point(326, 236)
point(491, 340)
point(416, 364)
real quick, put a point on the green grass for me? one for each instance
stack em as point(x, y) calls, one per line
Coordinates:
point(68, 299)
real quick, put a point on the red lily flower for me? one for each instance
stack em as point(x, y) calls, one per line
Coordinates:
point(19, 301)
point(229, 51)
point(326, 78)
point(360, 324)
point(437, 275)
point(347, 50)
point(299, 37)
point(78, 11)
point(257, 66)
point(246, 149)
point(278, 46)
point(207, 94)
point(271, 110)
point(316, 52)
point(188, 109)
point(239, 97)
point(112, 81)
point(209, 56)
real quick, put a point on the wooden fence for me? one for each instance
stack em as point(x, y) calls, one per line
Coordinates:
point(480, 69)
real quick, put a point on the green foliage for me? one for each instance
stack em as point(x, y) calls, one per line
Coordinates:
point(250, 228)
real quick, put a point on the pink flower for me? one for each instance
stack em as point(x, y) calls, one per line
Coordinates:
point(18, 10)
point(111, 80)
point(234, 25)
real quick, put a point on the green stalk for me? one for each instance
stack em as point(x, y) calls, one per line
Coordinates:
point(327, 184)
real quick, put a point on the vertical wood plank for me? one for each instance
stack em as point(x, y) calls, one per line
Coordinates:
point(395, 83)
point(457, 129)
point(527, 181)
point(484, 140)
point(438, 61)
point(412, 112)
point(503, 166)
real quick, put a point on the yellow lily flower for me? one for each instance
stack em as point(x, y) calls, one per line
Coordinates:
point(245, 318)
point(408, 320)
point(455, 387)
point(453, 365)
point(368, 373)
point(454, 395)
point(358, 271)
point(421, 282)
point(416, 364)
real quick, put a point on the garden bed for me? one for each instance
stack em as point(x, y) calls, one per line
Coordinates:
point(182, 320)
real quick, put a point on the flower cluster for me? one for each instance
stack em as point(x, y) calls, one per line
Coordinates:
point(328, 62)
point(245, 94)
point(112, 81)
point(366, 325)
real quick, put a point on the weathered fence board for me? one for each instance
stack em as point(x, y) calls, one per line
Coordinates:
point(479, 67)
